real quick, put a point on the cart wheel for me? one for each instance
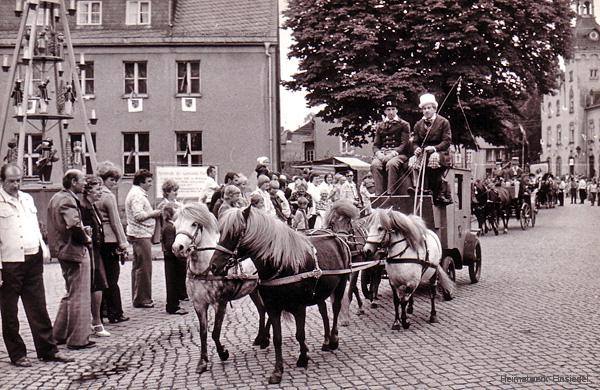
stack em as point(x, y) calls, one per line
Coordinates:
point(448, 267)
point(475, 266)
point(525, 216)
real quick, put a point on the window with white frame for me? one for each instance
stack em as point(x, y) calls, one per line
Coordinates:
point(549, 110)
point(89, 13)
point(189, 148)
point(549, 136)
point(136, 78)
point(138, 12)
point(558, 134)
point(593, 74)
point(309, 151)
point(80, 137)
point(558, 108)
point(345, 147)
point(136, 152)
point(86, 76)
point(188, 77)
point(490, 156)
point(30, 154)
point(571, 102)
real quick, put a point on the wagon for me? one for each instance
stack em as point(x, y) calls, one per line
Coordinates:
point(523, 207)
point(452, 224)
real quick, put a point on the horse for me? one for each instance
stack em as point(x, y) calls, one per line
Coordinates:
point(479, 203)
point(342, 219)
point(500, 201)
point(295, 271)
point(196, 237)
point(414, 254)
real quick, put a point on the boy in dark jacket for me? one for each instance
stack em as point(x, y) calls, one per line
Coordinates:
point(174, 267)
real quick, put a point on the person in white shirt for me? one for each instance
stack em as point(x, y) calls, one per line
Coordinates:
point(263, 190)
point(582, 186)
point(210, 185)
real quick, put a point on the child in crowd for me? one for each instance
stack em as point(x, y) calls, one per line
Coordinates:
point(257, 201)
point(174, 267)
point(300, 221)
point(322, 207)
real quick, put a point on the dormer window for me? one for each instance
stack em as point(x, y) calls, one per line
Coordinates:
point(138, 12)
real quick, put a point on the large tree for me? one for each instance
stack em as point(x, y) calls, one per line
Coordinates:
point(354, 54)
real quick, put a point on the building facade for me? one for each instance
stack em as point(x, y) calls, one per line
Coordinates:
point(571, 115)
point(185, 82)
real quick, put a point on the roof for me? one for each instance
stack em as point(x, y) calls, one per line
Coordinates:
point(226, 18)
point(194, 22)
point(583, 26)
point(306, 129)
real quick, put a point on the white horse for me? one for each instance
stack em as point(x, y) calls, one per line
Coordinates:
point(413, 255)
point(197, 235)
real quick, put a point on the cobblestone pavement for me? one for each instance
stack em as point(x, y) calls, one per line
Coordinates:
point(535, 312)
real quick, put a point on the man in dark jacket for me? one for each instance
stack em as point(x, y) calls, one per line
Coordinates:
point(69, 242)
point(391, 147)
point(432, 136)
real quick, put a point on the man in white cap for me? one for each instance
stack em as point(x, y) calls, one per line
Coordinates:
point(432, 136)
point(391, 147)
point(262, 166)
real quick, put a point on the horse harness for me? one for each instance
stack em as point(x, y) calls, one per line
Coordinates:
point(397, 258)
point(316, 273)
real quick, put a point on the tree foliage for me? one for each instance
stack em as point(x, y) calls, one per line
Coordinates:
point(354, 54)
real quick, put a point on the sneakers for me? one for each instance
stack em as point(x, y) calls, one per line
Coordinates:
point(99, 331)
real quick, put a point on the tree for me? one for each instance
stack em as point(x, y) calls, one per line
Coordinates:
point(355, 54)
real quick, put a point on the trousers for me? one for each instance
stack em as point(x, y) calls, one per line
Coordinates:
point(112, 294)
point(391, 176)
point(141, 271)
point(25, 280)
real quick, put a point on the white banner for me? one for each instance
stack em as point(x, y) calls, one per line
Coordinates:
point(190, 179)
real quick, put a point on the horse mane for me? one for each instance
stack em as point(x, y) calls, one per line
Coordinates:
point(341, 209)
point(199, 213)
point(412, 227)
point(268, 238)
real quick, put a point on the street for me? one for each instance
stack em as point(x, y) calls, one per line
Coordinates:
point(533, 316)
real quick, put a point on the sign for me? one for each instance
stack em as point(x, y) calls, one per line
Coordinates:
point(539, 169)
point(188, 104)
point(190, 179)
point(135, 105)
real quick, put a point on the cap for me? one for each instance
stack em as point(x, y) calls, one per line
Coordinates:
point(427, 98)
point(262, 160)
point(391, 103)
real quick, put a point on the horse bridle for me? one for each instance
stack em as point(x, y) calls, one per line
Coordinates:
point(193, 237)
point(234, 260)
point(390, 244)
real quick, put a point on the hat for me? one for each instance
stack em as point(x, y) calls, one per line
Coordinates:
point(391, 103)
point(427, 98)
point(263, 160)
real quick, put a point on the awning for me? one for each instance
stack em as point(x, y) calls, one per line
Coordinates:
point(336, 162)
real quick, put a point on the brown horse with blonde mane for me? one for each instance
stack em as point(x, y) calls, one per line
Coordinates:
point(295, 271)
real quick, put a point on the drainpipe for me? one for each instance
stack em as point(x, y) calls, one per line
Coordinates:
point(272, 154)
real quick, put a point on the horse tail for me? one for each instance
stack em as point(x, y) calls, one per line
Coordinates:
point(446, 284)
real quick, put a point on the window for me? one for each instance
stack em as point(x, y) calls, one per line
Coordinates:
point(571, 76)
point(86, 76)
point(571, 102)
point(80, 137)
point(138, 12)
point(189, 148)
point(558, 166)
point(591, 130)
point(136, 152)
point(136, 78)
point(558, 108)
point(549, 110)
point(345, 147)
point(489, 155)
point(89, 13)
point(571, 132)
point(309, 151)
point(188, 77)
point(30, 154)
point(593, 74)
point(549, 136)
point(558, 134)
point(43, 17)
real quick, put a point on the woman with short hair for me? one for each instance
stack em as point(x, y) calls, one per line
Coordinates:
point(115, 240)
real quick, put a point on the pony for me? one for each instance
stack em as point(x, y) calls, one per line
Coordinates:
point(342, 219)
point(479, 204)
point(295, 271)
point(414, 254)
point(500, 200)
point(196, 237)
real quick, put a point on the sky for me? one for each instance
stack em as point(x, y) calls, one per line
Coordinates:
point(293, 104)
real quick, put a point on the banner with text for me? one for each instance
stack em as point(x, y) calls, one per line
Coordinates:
point(190, 180)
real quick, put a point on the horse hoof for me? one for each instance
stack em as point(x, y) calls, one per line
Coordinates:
point(409, 310)
point(325, 348)
point(264, 344)
point(344, 323)
point(406, 325)
point(302, 362)
point(396, 326)
point(333, 345)
point(374, 305)
point(433, 320)
point(223, 355)
point(202, 367)
point(360, 312)
point(505, 231)
point(275, 378)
